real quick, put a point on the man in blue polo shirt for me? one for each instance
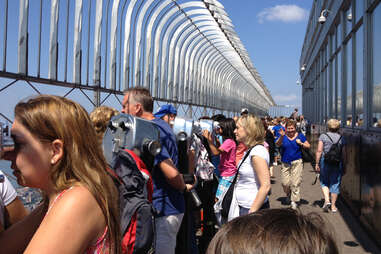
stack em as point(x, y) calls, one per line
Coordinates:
point(168, 183)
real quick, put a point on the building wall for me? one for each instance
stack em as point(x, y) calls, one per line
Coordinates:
point(342, 79)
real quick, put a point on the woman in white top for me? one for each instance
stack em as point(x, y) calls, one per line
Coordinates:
point(253, 183)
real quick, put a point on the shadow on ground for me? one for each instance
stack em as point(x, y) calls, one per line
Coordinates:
point(359, 232)
point(283, 201)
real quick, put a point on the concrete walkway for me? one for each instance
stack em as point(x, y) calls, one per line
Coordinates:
point(350, 236)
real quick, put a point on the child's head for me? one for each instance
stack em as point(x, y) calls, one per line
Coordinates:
point(227, 127)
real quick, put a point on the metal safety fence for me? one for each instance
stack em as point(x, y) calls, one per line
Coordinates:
point(184, 52)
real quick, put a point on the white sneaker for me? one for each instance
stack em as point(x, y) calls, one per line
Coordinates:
point(326, 207)
point(294, 205)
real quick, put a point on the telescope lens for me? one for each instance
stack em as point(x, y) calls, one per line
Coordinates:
point(182, 136)
point(152, 146)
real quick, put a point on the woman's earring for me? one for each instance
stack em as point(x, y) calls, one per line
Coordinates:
point(53, 162)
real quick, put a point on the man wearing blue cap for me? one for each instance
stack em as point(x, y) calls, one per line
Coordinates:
point(167, 113)
point(169, 184)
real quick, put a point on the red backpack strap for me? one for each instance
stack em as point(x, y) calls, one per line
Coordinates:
point(143, 169)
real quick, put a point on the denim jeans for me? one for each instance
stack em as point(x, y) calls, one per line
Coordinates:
point(167, 228)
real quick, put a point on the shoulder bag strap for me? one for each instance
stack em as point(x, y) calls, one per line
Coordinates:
point(244, 158)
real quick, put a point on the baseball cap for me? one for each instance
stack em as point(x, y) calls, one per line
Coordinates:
point(244, 111)
point(165, 110)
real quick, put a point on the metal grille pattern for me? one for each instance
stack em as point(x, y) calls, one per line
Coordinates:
point(184, 52)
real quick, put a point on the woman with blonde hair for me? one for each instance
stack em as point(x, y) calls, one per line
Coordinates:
point(330, 173)
point(100, 117)
point(56, 151)
point(253, 180)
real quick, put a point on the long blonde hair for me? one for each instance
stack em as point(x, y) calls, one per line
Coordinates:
point(49, 118)
point(254, 129)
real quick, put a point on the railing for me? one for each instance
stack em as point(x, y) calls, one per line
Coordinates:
point(184, 52)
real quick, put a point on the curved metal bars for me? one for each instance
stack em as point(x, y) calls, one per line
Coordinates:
point(191, 50)
point(175, 15)
point(184, 51)
point(206, 27)
point(184, 31)
point(172, 68)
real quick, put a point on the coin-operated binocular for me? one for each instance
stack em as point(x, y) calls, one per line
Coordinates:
point(133, 133)
point(183, 129)
point(211, 126)
point(6, 141)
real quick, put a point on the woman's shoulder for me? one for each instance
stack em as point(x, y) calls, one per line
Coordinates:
point(77, 201)
point(259, 148)
point(74, 211)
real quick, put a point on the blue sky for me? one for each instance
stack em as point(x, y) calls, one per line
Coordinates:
point(273, 31)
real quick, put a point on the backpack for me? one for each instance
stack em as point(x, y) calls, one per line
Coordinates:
point(135, 187)
point(204, 167)
point(333, 156)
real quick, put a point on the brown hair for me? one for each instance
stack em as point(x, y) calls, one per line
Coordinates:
point(100, 118)
point(254, 129)
point(290, 122)
point(141, 95)
point(49, 118)
point(274, 231)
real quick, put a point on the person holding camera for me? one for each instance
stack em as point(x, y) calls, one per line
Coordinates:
point(227, 152)
point(56, 151)
point(227, 166)
point(169, 184)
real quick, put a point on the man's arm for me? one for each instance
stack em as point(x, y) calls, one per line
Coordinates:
point(174, 178)
point(14, 212)
point(16, 238)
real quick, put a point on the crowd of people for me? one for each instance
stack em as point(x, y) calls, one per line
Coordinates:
point(58, 151)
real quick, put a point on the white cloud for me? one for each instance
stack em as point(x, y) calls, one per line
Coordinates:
point(283, 13)
point(282, 99)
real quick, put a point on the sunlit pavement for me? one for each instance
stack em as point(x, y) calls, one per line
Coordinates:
point(350, 236)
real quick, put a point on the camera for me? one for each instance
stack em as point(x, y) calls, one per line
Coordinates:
point(322, 19)
point(6, 141)
point(128, 132)
point(208, 125)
